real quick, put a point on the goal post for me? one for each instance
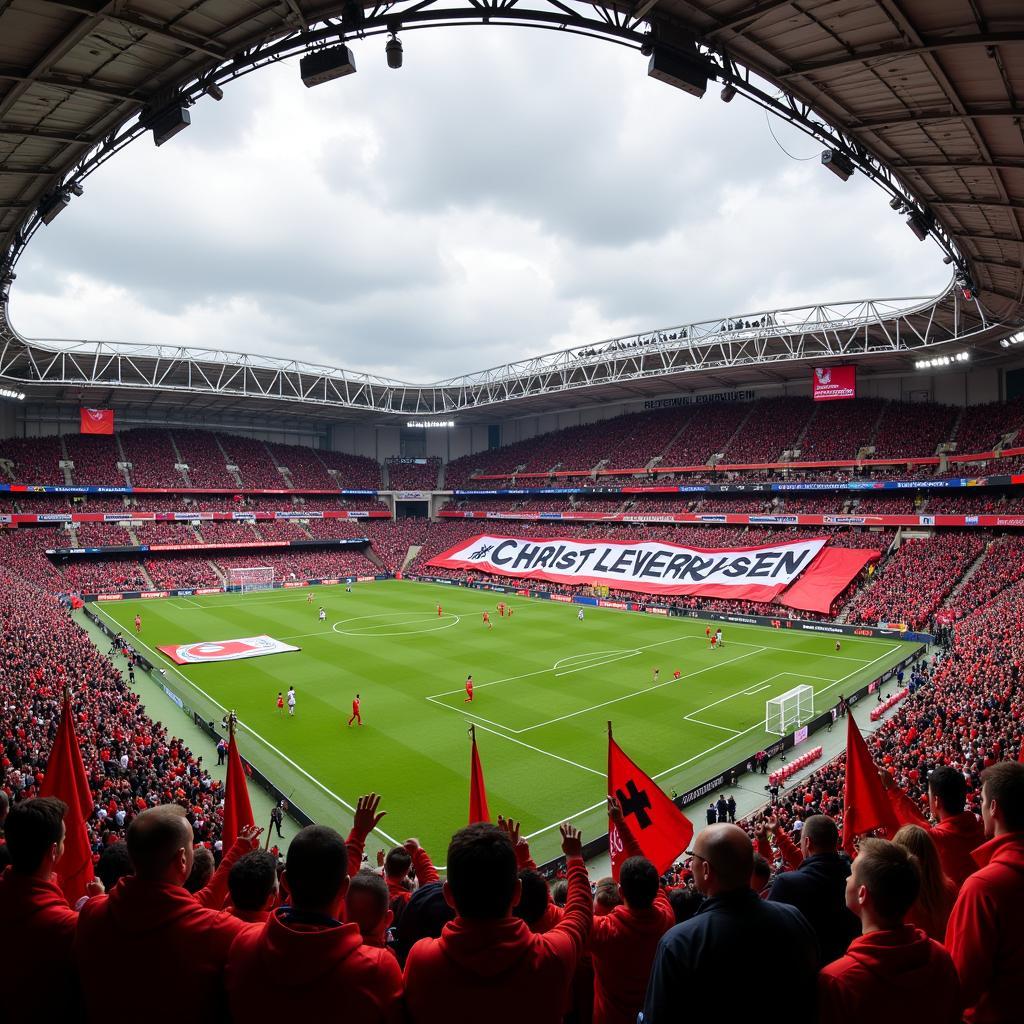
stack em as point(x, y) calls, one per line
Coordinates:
point(250, 578)
point(789, 710)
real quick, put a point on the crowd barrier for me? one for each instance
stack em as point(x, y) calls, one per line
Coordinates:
point(877, 712)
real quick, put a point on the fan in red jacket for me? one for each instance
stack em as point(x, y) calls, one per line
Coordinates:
point(986, 929)
point(304, 957)
point(957, 833)
point(486, 962)
point(396, 870)
point(623, 942)
point(892, 972)
point(151, 921)
point(34, 915)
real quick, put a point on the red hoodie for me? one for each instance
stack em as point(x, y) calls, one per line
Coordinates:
point(954, 837)
point(986, 932)
point(425, 874)
point(35, 918)
point(149, 929)
point(324, 969)
point(623, 944)
point(500, 970)
point(890, 977)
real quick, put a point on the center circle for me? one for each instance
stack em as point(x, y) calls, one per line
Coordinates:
point(407, 624)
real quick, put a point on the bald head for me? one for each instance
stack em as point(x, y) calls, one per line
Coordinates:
point(724, 859)
point(160, 844)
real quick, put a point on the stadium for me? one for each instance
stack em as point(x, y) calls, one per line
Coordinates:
point(718, 622)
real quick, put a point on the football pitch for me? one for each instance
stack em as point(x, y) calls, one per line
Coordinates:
point(545, 686)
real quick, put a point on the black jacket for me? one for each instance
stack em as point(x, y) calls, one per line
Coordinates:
point(818, 890)
point(733, 945)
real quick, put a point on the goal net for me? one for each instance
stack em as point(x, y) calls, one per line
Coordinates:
point(788, 711)
point(255, 577)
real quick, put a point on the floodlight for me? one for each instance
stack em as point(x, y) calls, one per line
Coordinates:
point(326, 65)
point(52, 205)
point(681, 70)
point(76, 188)
point(896, 202)
point(921, 222)
point(168, 123)
point(728, 92)
point(393, 51)
point(214, 91)
point(838, 163)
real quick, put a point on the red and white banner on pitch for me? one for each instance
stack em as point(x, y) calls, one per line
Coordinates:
point(225, 650)
point(648, 567)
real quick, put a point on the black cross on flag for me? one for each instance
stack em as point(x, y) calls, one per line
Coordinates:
point(658, 827)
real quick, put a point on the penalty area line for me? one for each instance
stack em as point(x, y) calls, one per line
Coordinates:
point(158, 662)
point(557, 757)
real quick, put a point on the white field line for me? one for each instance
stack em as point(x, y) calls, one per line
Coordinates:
point(637, 693)
point(756, 689)
point(547, 671)
point(711, 725)
point(158, 662)
point(557, 757)
point(703, 753)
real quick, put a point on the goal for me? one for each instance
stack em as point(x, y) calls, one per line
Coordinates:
point(791, 709)
point(255, 577)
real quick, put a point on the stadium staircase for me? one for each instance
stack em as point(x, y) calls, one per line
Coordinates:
point(735, 434)
point(286, 475)
point(954, 594)
point(385, 476)
point(65, 458)
point(675, 437)
point(178, 460)
point(411, 555)
point(123, 459)
point(217, 571)
point(232, 472)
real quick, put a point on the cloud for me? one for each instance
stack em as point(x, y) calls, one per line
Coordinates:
point(504, 194)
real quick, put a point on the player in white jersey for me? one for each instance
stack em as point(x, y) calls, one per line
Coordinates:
point(291, 700)
point(323, 615)
point(309, 598)
point(579, 615)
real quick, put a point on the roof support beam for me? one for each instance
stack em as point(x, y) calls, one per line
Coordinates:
point(71, 84)
point(900, 120)
point(929, 44)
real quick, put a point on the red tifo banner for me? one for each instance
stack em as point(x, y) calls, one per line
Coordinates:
point(97, 421)
point(834, 382)
point(813, 573)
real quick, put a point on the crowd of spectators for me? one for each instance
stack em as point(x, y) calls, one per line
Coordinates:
point(152, 457)
point(838, 430)
point(201, 452)
point(912, 429)
point(917, 578)
point(772, 428)
point(982, 427)
point(95, 459)
point(352, 471)
point(303, 464)
point(255, 463)
point(181, 572)
point(413, 476)
point(36, 460)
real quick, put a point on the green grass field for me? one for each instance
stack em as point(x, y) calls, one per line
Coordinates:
point(546, 684)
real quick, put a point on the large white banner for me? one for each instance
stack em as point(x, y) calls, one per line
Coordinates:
point(651, 567)
point(225, 650)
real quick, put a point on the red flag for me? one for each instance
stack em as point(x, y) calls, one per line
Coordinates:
point(237, 809)
point(97, 421)
point(867, 807)
point(66, 779)
point(477, 790)
point(660, 829)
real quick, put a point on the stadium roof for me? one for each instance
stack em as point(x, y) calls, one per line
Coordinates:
point(925, 96)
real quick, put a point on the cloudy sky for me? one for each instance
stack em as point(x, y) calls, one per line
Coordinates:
point(506, 193)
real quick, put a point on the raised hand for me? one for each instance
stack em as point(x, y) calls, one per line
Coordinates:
point(366, 818)
point(572, 841)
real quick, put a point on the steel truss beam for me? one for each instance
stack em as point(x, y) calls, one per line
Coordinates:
point(844, 330)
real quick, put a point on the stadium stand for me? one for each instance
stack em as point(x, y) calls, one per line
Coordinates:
point(413, 476)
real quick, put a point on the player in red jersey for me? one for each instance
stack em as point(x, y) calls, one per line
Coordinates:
point(280, 703)
point(501, 608)
point(469, 690)
point(439, 611)
point(707, 632)
point(356, 717)
point(677, 674)
point(714, 640)
point(487, 620)
point(138, 623)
